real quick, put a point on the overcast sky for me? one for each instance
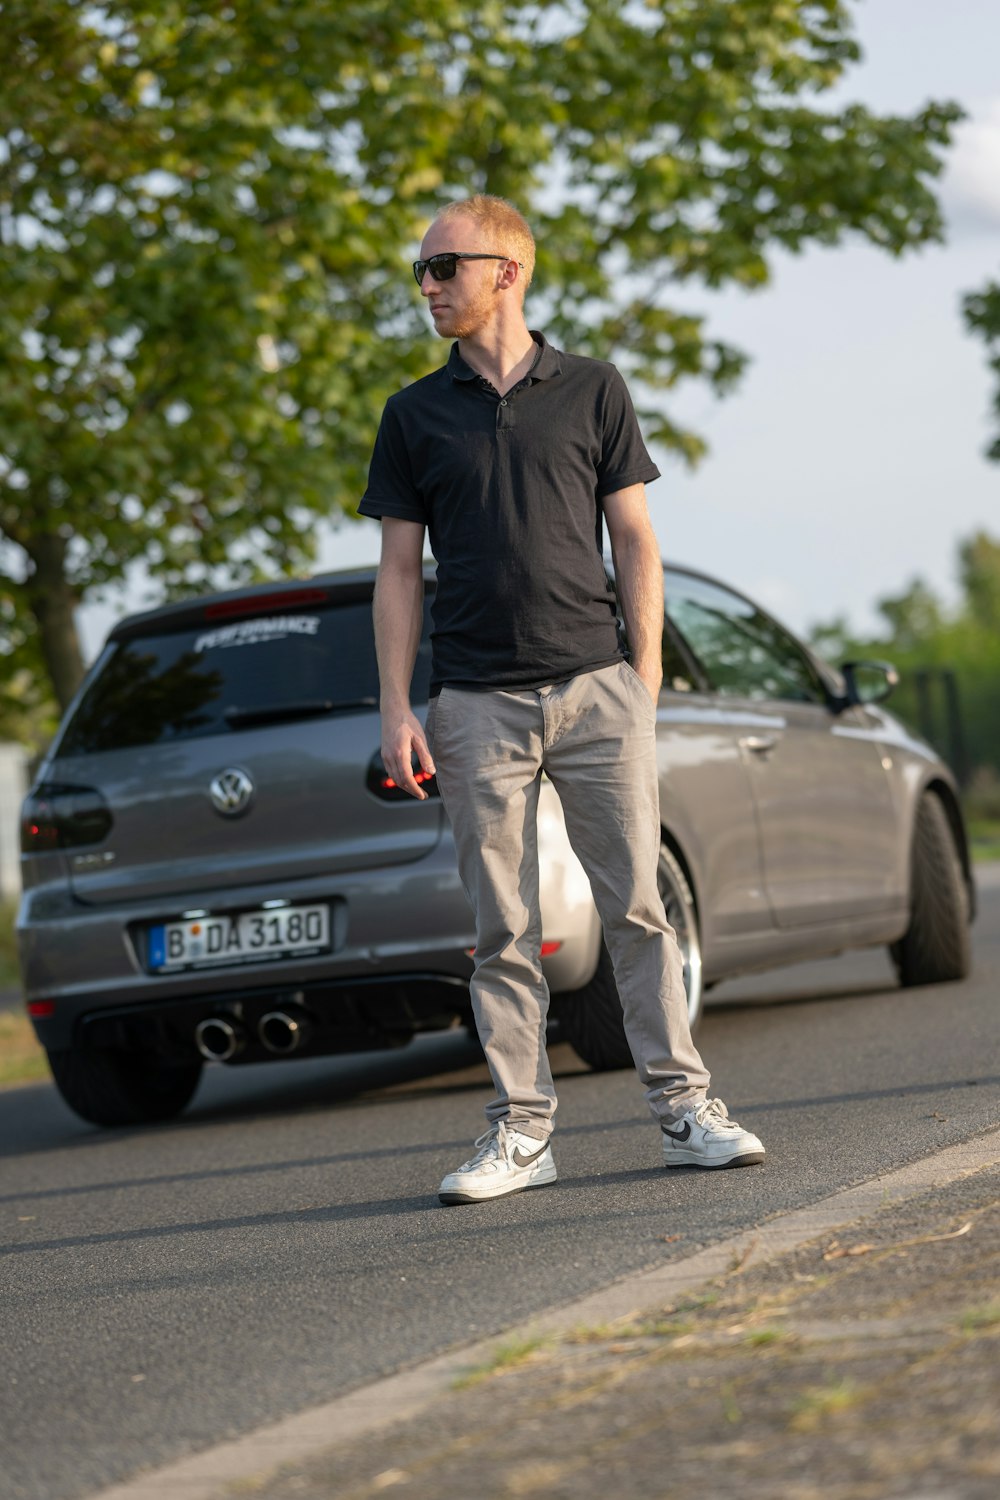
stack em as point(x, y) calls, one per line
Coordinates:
point(850, 459)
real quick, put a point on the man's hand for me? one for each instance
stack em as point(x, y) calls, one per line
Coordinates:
point(402, 735)
point(639, 580)
point(398, 615)
point(651, 673)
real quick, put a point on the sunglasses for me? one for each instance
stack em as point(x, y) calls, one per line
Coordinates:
point(443, 267)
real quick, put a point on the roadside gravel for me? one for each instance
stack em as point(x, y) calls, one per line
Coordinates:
point(866, 1366)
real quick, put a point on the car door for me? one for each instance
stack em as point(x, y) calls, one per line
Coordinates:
point(821, 793)
point(706, 799)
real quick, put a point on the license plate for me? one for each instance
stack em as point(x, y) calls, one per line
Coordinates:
point(249, 937)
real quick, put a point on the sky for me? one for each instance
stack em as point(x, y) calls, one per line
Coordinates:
point(850, 459)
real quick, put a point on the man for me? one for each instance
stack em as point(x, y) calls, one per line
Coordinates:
point(509, 454)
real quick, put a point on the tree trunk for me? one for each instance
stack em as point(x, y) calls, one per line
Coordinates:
point(52, 601)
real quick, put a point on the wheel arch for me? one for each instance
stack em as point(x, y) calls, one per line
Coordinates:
point(948, 798)
point(677, 850)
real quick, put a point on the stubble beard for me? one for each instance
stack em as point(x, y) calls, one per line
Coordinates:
point(465, 322)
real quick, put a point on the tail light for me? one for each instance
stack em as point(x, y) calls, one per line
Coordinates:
point(256, 604)
point(55, 816)
point(381, 783)
point(545, 951)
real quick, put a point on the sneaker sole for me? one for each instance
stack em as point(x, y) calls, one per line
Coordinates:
point(538, 1179)
point(689, 1159)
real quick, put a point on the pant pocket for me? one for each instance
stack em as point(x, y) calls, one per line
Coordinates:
point(638, 686)
point(429, 722)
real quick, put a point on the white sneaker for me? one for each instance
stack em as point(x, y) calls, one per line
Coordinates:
point(505, 1162)
point(706, 1137)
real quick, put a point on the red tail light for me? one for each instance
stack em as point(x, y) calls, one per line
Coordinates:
point(419, 777)
point(55, 816)
point(256, 604)
point(381, 783)
point(545, 949)
point(41, 1009)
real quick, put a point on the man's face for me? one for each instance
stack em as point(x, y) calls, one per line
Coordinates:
point(465, 305)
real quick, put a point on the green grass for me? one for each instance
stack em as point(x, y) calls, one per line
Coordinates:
point(985, 1316)
point(765, 1336)
point(9, 975)
point(984, 839)
point(509, 1356)
point(611, 1333)
point(815, 1405)
point(21, 1058)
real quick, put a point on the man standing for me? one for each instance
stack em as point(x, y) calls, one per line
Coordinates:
point(509, 455)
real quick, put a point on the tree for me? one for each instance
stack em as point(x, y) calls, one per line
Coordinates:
point(979, 569)
point(914, 617)
point(982, 314)
point(206, 211)
point(28, 714)
point(925, 640)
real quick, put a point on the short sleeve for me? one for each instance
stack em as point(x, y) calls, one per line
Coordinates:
point(624, 458)
point(391, 489)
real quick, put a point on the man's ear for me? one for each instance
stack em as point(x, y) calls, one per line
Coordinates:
point(509, 274)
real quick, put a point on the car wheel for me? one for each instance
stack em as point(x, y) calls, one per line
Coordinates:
point(123, 1088)
point(935, 947)
point(590, 1019)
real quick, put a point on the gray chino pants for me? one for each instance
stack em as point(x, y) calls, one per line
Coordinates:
point(594, 737)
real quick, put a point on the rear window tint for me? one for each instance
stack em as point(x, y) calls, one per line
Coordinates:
point(182, 684)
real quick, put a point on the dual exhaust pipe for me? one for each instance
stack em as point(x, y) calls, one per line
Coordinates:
point(221, 1038)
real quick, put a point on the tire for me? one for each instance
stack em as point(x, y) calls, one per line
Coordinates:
point(123, 1088)
point(590, 1019)
point(935, 947)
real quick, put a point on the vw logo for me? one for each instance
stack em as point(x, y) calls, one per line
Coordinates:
point(231, 791)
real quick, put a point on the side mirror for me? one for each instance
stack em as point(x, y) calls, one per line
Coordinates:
point(869, 681)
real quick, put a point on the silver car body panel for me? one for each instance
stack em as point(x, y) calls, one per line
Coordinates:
point(309, 813)
point(792, 820)
point(706, 806)
point(828, 827)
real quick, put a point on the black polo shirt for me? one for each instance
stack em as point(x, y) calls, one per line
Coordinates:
point(509, 489)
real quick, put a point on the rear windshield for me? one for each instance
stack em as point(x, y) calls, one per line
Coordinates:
point(226, 678)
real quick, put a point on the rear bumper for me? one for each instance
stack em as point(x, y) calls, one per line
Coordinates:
point(352, 1015)
point(401, 925)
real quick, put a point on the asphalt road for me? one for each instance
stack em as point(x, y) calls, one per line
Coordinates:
point(161, 1289)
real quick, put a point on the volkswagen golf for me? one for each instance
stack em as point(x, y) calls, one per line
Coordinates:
point(217, 867)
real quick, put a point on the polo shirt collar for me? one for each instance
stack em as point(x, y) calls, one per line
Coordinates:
point(546, 361)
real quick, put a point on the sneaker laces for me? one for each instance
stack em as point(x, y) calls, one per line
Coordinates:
point(713, 1115)
point(494, 1145)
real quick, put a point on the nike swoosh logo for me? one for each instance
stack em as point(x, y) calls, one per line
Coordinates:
point(678, 1135)
point(519, 1159)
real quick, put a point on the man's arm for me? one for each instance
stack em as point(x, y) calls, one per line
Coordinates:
point(398, 612)
point(639, 579)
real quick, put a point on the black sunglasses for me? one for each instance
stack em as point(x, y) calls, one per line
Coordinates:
point(443, 267)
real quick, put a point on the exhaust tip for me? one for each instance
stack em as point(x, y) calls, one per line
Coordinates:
point(281, 1032)
point(217, 1039)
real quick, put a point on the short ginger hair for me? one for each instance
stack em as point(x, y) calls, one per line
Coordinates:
point(505, 227)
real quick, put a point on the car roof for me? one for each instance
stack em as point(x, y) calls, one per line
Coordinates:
point(344, 586)
point(339, 586)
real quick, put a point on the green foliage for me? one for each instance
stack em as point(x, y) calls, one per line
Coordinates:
point(10, 974)
point(21, 1058)
point(206, 212)
point(979, 562)
point(28, 714)
point(982, 315)
point(913, 617)
point(921, 636)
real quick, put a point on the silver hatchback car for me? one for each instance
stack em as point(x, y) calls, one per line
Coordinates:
point(217, 867)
